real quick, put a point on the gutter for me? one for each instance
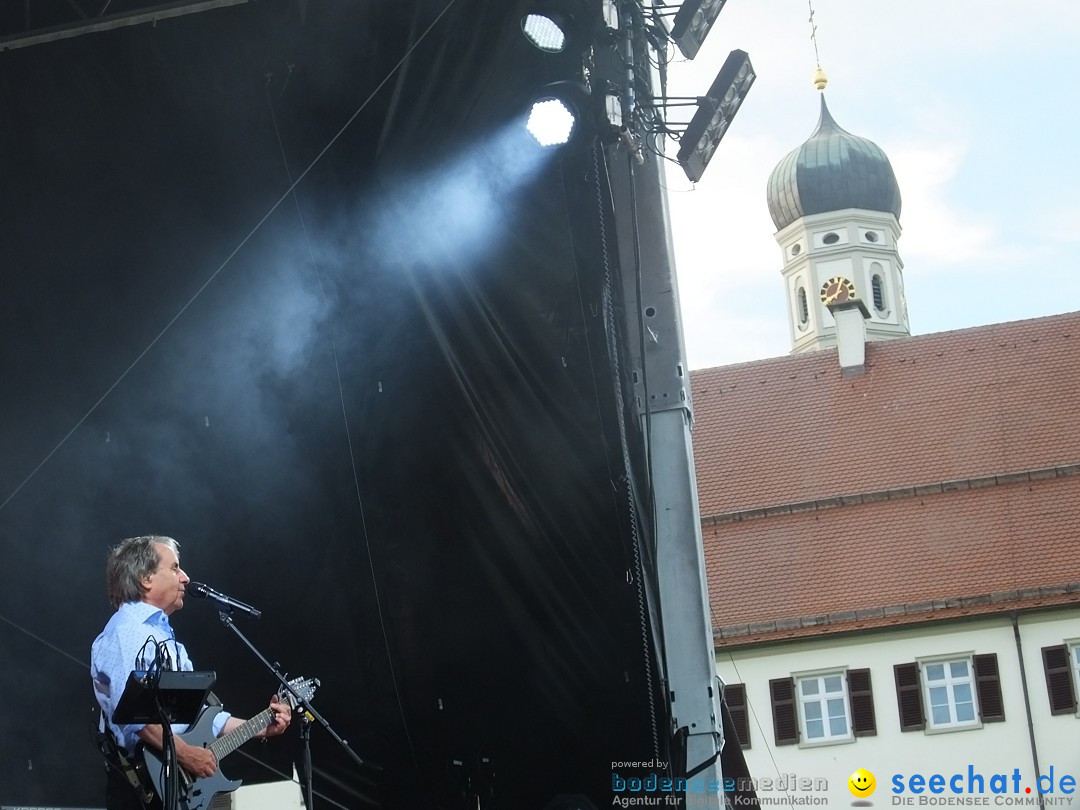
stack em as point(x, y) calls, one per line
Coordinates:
point(1027, 703)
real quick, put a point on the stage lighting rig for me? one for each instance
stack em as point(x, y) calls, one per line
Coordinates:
point(691, 23)
point(559, 113)
point(556, 26)
point(716, 110)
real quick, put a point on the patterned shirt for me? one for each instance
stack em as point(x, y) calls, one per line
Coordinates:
point(129, 642)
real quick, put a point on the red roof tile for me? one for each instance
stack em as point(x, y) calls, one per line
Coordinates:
point(940, 407)
point(962, 547)
point(920, 440)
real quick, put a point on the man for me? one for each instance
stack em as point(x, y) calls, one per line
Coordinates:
point(146, 585)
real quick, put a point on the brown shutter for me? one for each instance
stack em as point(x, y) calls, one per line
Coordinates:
point(909, 697)
point(785, 723)
point(862, 703)
point(1059, 679)
point(735, 698)
point(988, 687)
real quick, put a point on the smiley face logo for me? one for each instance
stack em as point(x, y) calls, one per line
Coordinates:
point(861, 783)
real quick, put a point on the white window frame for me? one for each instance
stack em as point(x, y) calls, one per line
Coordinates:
point(822, 700)
point(950, 683)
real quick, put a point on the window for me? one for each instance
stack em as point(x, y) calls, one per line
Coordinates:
point(877, 286)
point(824, 707)
point(831, 238)
point(1062, 667)
point(954, 693)
point(735, 700)
point(804, 308)
point(950, 693)
point(823, 711)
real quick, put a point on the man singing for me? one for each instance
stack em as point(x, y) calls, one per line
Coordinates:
point(146, 585)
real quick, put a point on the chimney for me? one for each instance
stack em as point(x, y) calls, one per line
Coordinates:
point(850, 316)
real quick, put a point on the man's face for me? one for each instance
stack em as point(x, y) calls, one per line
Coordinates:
point(165, 587)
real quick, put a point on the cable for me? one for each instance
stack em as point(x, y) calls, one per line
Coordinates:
point(627, 473)
point(213, 276)
point(48, 644)
point(757, 722)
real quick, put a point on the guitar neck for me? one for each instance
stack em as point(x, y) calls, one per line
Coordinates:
point(229, 742)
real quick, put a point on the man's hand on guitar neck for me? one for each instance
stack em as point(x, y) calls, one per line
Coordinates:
point(279, 720)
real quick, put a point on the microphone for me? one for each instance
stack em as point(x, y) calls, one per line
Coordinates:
point(200, 591)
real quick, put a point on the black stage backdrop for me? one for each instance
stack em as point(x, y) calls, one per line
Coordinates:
point(385, 409)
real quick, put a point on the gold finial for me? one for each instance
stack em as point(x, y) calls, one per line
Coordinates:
point(820, 79)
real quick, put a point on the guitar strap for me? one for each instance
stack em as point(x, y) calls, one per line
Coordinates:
point(133, 770)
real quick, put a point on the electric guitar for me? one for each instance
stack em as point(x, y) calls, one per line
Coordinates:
point(197, 793)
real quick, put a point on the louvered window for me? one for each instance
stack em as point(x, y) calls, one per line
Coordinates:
point(877, 288)
point(988, 688)
point(863, 723)
point(947, 694)
point(909, 697)
point(1060, 664)
point(735, 698)
point(823, 707)
point(785, 723)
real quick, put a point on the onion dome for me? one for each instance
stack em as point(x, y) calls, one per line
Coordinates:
point(832, 171)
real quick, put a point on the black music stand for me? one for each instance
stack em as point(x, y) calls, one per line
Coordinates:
point(165, 697)
point(179, 695)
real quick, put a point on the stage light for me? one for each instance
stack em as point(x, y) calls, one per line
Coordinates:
point(544, 32)
point(554, 26)
point(559, 113)
point(715, 112)
point(692, 24)
point(551, 122)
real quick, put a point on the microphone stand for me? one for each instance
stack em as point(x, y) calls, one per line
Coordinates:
point(307, 712)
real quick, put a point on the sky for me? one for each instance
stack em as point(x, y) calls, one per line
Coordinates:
point(974, 102)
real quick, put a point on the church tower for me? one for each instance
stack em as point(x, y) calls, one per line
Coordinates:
point(836, 206)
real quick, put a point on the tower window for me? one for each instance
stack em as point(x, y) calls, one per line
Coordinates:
point(877, 285)
point(870, 236)
point(804, 308)
point(831, 238)
point(796, 249)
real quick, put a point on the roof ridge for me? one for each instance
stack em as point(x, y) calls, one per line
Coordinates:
point(900, 341)
point(893, 493)
point(902, 609)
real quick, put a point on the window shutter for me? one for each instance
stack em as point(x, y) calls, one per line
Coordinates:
point(988, 687)
point(862, 703)
point(735, 698)
point(785, 723)
point(1059, 679)
point(909, 697)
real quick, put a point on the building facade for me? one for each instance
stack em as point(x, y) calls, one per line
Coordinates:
point(892, 524)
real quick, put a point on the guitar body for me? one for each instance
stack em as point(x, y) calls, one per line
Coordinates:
point(198, 793)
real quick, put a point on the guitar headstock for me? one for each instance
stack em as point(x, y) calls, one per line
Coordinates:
point(304, 689)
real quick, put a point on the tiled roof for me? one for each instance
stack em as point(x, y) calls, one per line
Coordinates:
point(944, 481)
point(940, 407)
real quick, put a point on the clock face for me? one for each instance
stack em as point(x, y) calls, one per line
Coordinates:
point(837, 289)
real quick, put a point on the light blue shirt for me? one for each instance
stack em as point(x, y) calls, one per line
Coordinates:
point(128, 643)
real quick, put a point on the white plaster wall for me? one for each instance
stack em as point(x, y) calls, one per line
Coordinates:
point(991, 749)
